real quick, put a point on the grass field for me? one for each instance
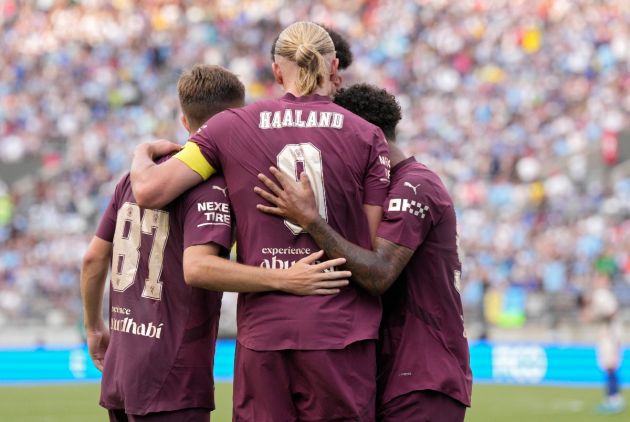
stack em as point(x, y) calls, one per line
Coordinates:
point(490, 403)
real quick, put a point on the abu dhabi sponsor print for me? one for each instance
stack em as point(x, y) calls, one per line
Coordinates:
point(281, 258)
point(130, 326)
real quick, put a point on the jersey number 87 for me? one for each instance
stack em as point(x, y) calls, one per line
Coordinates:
point(126, 251)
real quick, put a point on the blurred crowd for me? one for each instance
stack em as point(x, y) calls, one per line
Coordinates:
point(511, 102)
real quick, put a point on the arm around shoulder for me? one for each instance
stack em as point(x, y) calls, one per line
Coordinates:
point(155, 185)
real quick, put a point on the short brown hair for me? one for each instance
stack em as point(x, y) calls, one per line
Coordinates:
point(206, 90)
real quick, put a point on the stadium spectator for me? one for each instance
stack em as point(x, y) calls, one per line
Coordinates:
point(603, 308)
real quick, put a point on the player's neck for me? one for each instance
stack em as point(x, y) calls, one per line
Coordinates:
point(324, 91)
point(395, 154)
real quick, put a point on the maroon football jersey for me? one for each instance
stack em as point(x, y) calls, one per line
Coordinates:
point(163, 332)
point(346, 159)
point(423, 345)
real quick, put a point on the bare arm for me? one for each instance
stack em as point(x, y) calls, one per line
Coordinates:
point(205, 269)
point(374, 270)
point(155, 185)
point(93, 277)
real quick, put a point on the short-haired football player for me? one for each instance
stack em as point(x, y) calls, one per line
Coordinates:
point(157, 353)
point(424, 369)
point(297, 358)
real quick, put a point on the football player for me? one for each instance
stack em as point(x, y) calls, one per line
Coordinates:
point(157, 352)
point(424, 370)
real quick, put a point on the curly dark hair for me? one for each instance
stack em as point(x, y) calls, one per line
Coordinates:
point(342, 48)
point(374, 104)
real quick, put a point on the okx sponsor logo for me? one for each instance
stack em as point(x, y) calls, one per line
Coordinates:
point(410, 206)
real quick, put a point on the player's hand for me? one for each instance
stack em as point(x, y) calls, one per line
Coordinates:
point(294, 201)
point(98, 341)
point(159, 148)
point(309, 277)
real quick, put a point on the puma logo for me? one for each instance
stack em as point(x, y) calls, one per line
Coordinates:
point(224, 190)
point(412, 187)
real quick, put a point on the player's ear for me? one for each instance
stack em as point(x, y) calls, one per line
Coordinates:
point(184, 121)
point(334, 70)
point(337, 81)
point(277, 73)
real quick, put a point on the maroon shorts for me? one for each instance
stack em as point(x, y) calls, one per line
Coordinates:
point(305, 385)
point(182, 415)
point(425, 405)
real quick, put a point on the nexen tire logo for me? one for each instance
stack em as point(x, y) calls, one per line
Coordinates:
point(405, 205)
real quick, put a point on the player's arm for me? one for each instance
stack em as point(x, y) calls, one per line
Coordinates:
point(374, 214)
point(376, 182)
point(155, 185)
point(206, 234)
point(93, 277)
point(374, 270)
point(204, 268)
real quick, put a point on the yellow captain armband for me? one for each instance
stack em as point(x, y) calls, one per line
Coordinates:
point(191, 156)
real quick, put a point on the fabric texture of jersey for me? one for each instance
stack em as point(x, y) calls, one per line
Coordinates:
point(163, 332)
point(423, 344)
point(346, 159)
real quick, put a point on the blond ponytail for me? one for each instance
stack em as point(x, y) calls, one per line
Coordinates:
point(306, 44)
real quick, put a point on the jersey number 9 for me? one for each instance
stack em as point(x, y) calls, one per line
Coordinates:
point(297, 158)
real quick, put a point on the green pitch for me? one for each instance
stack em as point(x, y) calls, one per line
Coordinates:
point(490, 403)
point(76, 403)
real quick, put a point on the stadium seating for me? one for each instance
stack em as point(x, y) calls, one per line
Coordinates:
point(520, 109)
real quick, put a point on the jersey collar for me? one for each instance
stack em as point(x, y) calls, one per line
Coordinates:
point(306, 98)
point(403, 163)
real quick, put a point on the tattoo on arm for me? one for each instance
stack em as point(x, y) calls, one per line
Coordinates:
point(376, 270)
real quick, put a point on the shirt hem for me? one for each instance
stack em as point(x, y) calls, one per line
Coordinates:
point(142, 412)
point(253, 345)
point(412, 389)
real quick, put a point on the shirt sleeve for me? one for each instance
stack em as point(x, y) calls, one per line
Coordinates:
point(107, 225)
point(202, 152)
point(191, 156)
point(376, 180)
point(408, 214)
point(207, 214)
